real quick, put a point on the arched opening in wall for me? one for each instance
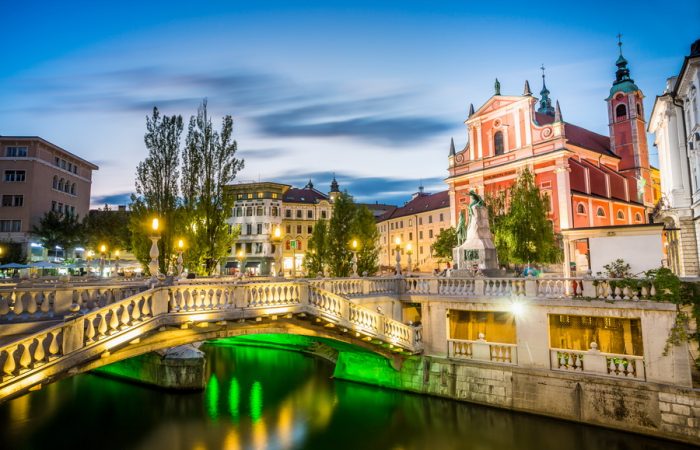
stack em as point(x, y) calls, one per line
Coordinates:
point(55, 182)
point(498, 143)
point(621, 111)
point(581, 209)
point(639, 110)
point(638, 218)
point(620, 215)
point(600, 212)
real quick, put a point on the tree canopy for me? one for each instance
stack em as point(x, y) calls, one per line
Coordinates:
point(444, 243)
point(59, 230)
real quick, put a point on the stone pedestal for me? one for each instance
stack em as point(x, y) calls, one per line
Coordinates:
point(477, 252)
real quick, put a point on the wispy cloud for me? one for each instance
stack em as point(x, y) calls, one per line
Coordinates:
point(122, 198)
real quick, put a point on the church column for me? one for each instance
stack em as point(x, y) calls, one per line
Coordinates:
point(567, 257)
point(472, 143)
point(564, 195)
point(674, 153)
point(479, 149)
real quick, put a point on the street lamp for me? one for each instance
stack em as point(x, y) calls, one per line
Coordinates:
point(241, 262)
point(103, 250)
point(154, 253)
point(354, 257)
point(277, 239)
point(397, 241)
point(180, 246)
point(409, 251)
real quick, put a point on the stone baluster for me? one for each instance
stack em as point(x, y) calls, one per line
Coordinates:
point(39, 353)
point(10, 365)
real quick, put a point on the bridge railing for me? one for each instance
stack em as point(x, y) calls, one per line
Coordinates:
point(23, 304)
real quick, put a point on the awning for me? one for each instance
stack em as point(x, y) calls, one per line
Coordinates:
point(252, 264)
point(231, 265)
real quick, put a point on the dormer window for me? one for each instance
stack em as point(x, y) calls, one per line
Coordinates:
point(498, 143)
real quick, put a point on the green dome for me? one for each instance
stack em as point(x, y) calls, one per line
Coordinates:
point(625, 87)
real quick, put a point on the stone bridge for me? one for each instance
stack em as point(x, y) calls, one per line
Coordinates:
point(106, 328)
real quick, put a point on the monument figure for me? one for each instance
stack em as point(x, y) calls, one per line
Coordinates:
point(475, 251)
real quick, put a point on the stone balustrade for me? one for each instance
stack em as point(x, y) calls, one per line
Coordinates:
point(595, 362)
point(481, 350)
point(20, 304)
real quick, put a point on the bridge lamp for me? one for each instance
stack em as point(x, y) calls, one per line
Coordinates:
point(409, 251)
point(277, 238)
point(103, 250)
point(154, 253)
point(397, 241)
point(180, 247)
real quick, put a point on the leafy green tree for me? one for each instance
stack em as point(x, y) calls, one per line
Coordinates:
point(109, 227)
point(11, 253)
point(340, 230)
point(523, 234)
point(59, 230)
point(317, 255)
point(365, 230)
point(209, 164)
point(157, 188)
point(443, 245)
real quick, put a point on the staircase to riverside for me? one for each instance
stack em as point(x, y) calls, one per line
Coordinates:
point(102, 328)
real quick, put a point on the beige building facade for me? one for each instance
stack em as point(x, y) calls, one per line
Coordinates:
point(38, 177)
point(417, 225)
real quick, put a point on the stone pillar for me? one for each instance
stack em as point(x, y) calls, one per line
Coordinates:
point(564, 195)
point(567, 257)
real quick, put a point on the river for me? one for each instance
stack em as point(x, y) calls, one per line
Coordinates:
point(276, 399)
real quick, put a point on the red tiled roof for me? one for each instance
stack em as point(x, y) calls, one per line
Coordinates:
point(305, 195)
point(580, 137)
point(422, 203)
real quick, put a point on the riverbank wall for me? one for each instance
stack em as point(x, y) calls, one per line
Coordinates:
point(647, 408)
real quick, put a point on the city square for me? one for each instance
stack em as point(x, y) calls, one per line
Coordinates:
point(354, 225)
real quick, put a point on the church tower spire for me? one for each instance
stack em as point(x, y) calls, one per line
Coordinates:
point(628, 138)
point(545, 101)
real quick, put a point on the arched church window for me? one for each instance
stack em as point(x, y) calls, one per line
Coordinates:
point(581, 209)
point(620, 111)
point(637, 217)
point(639, 109)
point(600, 212)
point(620, 215)
point(498, 143)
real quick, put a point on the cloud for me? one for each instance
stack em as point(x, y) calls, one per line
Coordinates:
point(263, 153)
point(122, 198)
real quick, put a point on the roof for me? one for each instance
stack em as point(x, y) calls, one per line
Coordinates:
point(378, 209)
point(304, 195)
point(56, 147)
point(422, 203)
point(580, 136)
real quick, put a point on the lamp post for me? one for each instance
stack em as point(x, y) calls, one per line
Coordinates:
point(103, 250)
point(89, 256)
point(241, 262)
point(180, 246)
point(354, 257)
point(397, 241)
point(116, 263)
point(277, 239)
point(154, 253)
point(409, 251)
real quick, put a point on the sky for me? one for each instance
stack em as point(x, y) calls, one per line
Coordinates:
point(368, 91)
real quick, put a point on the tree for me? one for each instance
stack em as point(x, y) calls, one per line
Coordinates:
point(157, 188)
point(524, 234)
point(12, 252)
point(209, 164)
point(317, 255)
point(444, 243)
point(365, 231)
point(340, 236)
point(59, 230)
point(105, 226)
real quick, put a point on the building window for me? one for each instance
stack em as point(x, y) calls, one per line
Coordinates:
point(442, 217)
point(275, 195)
point(260, 195)
point(299, 214)
point(249, 247)
point(600, 212)
point(10, 226)
point(15, 175)
point(430, 234)
point(16, 152)
point(249, 211)
point(580, 209)
point(410, 236)
point(620, 215)
point(273, 211)
point(53, 205)
point(259, 228)
point(259, 211)
point(430, 219)
point(57, 160)
point(420, 221)
point(288, 213)
point(298, 244)
point(239, 196)
point(249, 228)
point(620, 111)
point(639, 110)
point(289, 229)
point(298, 229)
point(421, 249)
point(258, 248)
point(391, 225)
point(309, 214)
point(420, 235)
point(637, 217)
point(323, 214)
point(309, 229)
point(498, 142)
point(12, 200)
point(250, 196)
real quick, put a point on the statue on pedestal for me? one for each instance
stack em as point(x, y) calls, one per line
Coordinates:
point(475, 251)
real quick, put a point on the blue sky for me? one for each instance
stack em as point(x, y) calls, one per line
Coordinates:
point(369, 91)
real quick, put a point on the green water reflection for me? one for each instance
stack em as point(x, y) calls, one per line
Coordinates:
point(274, 399)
